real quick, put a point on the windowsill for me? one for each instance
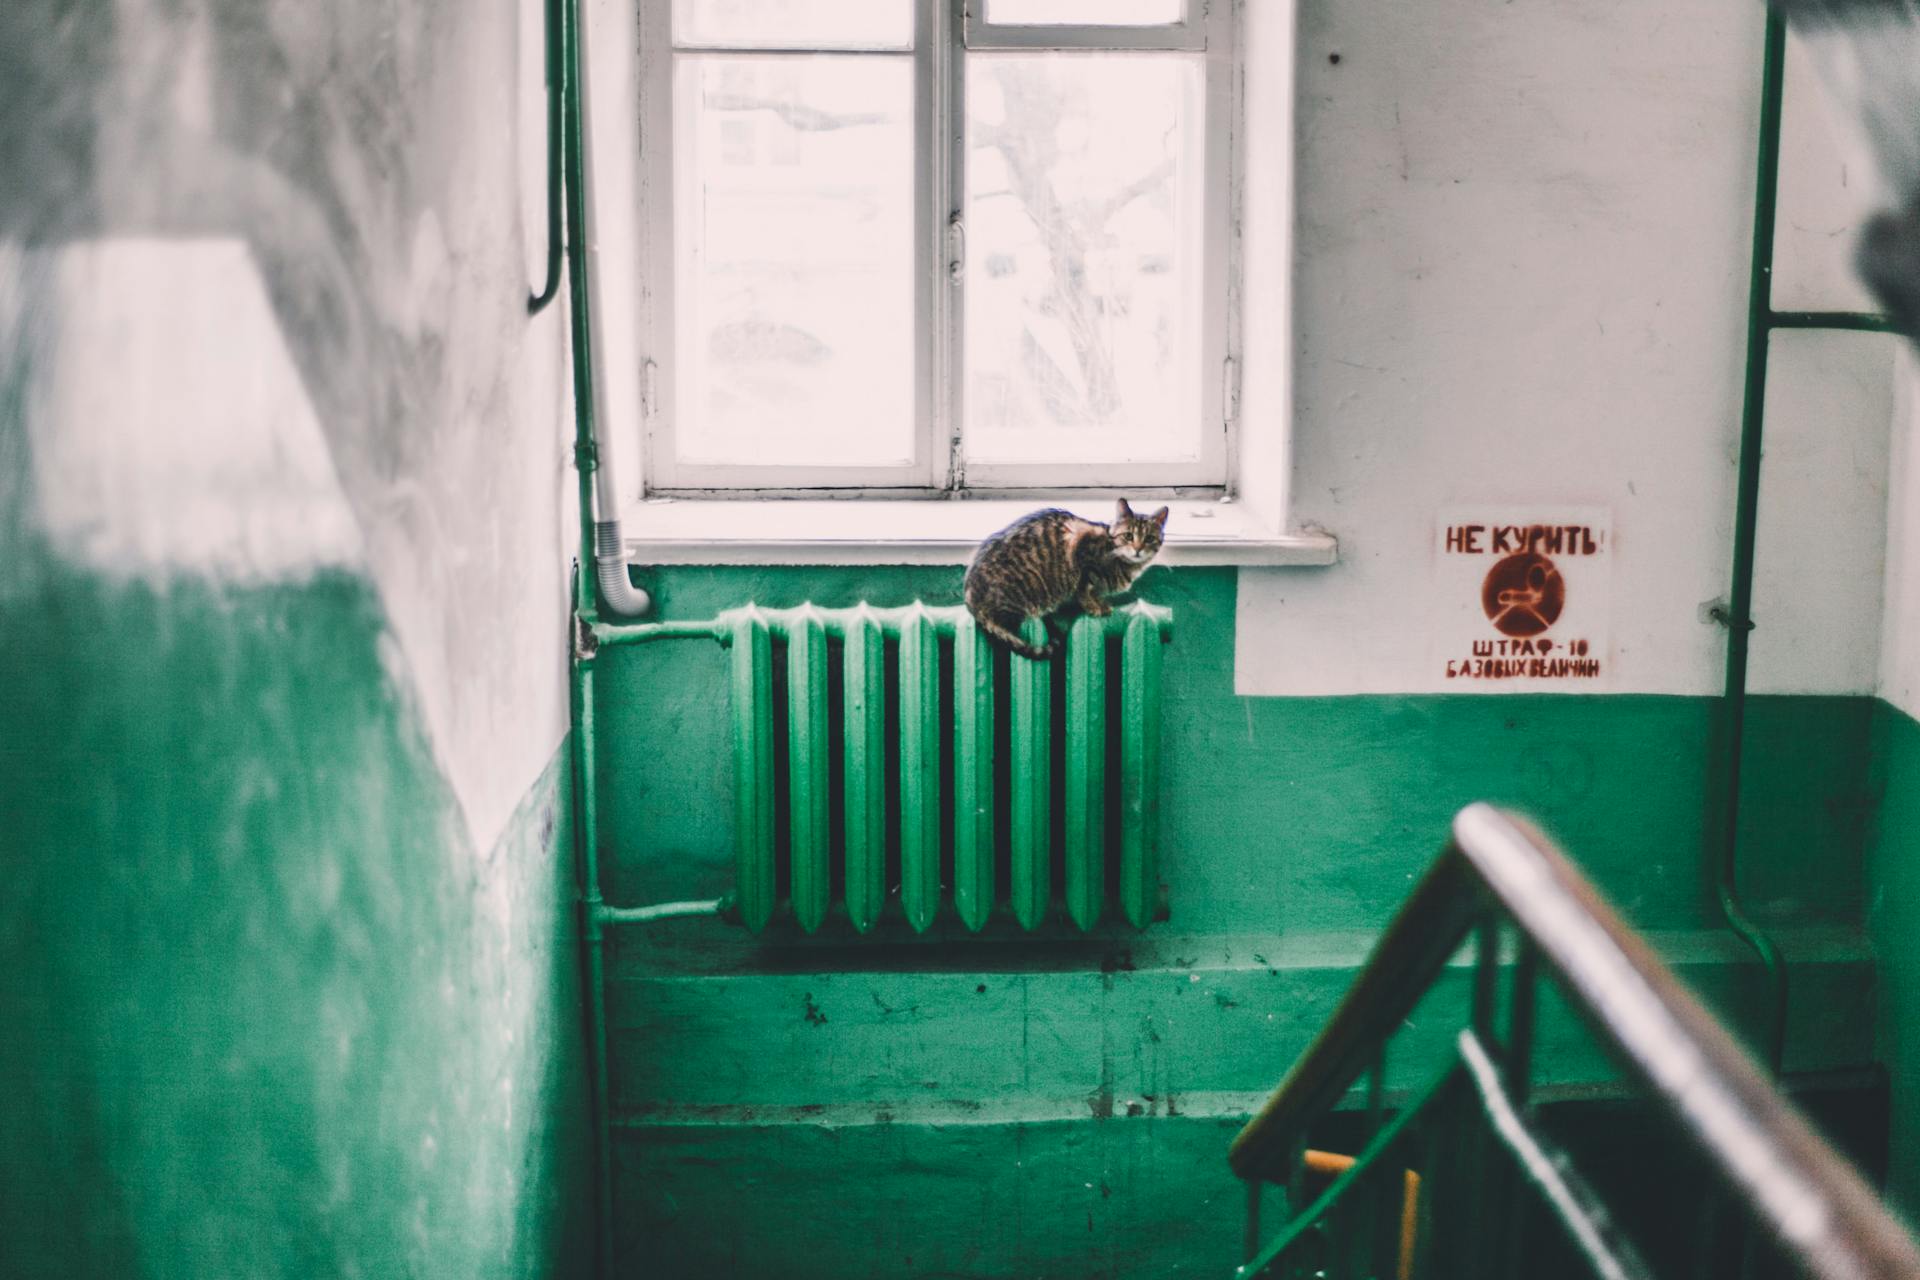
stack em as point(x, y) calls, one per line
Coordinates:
point(664, 531)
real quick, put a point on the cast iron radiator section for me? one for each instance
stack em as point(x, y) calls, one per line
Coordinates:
point(892, 711)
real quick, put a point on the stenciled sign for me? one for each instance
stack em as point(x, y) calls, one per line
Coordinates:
point(1522, 595)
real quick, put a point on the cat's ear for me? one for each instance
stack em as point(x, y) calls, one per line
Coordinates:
point(1159, 518)
point(1122, 513)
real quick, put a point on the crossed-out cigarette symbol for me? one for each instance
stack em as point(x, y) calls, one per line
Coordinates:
point(1523, 594)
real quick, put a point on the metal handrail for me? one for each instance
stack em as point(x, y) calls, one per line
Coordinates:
point(1499, 867)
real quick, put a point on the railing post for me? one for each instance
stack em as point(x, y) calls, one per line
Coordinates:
point(1517, 1060)
point(1486, 976)
point(1250, 1244)
point(1382, 1204)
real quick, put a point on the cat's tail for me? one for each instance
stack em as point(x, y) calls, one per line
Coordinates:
point(997, 630)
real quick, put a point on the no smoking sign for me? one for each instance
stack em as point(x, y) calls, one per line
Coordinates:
point(1522, 595)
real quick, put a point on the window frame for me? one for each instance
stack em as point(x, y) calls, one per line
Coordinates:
point(945, 32)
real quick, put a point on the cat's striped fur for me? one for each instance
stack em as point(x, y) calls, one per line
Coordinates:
point(1043, 562)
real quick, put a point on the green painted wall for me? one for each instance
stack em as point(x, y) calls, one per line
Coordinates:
point(288, 976)
point(269, 1014)
point(1288, 814)
point(1894, 920)
point(1060, 1105)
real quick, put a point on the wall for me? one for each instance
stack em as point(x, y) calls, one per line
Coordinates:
point(799, 1070)
point(1521, 279)
point(289, 972)
point(1893, 868)
point(1519, 275)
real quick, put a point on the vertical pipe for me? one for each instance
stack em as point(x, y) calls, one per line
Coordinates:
point(1086, 769)
point(586, 449)
point(752, 670)
point(555, 95)
point(972, 775)
point(1746, 518)
point(1031, 707)
point(606, 549)
point(563, 19)
point(1139, 768)
point(586, 844)
point(586, 453)
point(919, 768)
point(807, 768)
point(866, 765)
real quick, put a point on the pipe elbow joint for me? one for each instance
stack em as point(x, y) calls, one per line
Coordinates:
point(618, 595)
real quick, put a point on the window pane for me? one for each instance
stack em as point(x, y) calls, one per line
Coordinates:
point(794, 24)
point(794, 260)
point(1084, 249)
point(1103, 13)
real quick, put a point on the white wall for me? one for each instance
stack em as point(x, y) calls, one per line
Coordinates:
point(1520, 265)
point(1900, 637)
point(286, 331)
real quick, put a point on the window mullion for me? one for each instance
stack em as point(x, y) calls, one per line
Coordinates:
point(660, 410)
point(942, 89)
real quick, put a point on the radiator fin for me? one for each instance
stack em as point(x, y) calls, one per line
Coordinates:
point(972, 777)
point(1086, 770)
point(1139, 770)
point(1032, 757)
point(919, 768)
point(912, 743)
point(753, 794)
point(807, 748)
point(864, 674)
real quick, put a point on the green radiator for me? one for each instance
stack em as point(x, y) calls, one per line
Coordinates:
point(895, 714)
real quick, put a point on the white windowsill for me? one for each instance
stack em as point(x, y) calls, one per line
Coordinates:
point(663, 531)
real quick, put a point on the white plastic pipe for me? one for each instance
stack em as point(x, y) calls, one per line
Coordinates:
point(618, 595)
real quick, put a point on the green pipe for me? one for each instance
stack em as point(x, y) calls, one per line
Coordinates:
point(1746, 518)
point(643, 632)
point(538, 302)
point(586, 781)
point(662, 911)
point(592, 913)
point(945, 620)
point(586, 453)
point(1857, 321)
point(1762, 320)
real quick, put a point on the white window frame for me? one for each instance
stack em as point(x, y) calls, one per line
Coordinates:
point(940, 467)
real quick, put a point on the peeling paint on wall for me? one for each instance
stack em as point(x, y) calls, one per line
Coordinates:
point(366, 164)
point(152, 455)
point(286, 931)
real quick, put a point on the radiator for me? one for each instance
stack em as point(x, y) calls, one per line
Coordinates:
point(866, 745)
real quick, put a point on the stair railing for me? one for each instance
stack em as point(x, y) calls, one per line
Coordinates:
point(1504, 882)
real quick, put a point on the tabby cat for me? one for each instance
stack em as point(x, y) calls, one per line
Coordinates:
point(1043, 562)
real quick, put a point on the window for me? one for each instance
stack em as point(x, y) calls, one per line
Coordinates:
point(908, 246)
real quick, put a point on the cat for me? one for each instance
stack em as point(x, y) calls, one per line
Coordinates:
point(1043, 562)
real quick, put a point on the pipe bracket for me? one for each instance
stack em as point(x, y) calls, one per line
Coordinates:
point(585, 643)
point(1724, 616)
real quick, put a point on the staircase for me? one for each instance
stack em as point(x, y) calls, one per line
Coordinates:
point(1467, 1172)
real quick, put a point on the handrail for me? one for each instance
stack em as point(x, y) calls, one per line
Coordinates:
point(1811, 1199)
